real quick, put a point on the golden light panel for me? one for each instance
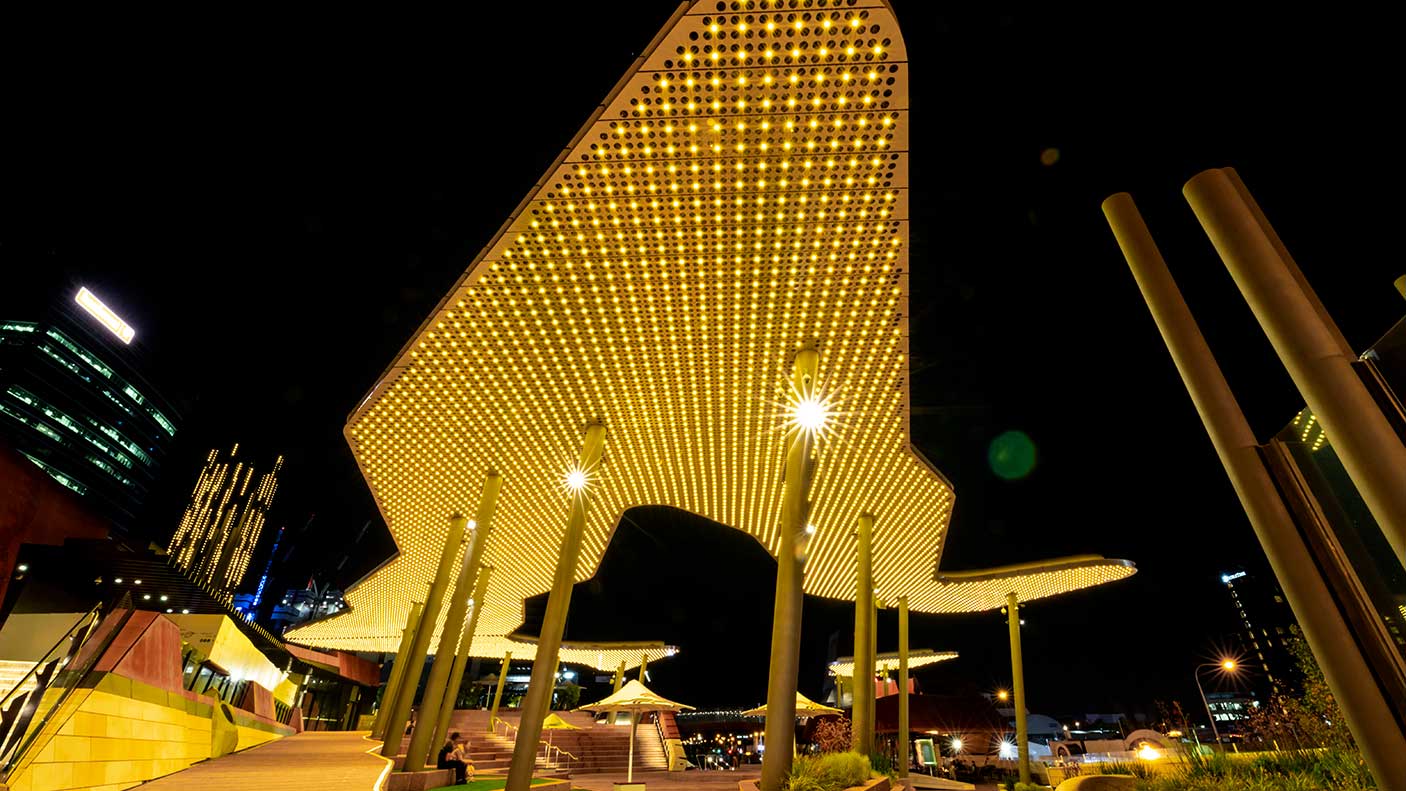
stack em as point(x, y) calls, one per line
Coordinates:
point(844, 666)
point(986, 589)
point(741, 192)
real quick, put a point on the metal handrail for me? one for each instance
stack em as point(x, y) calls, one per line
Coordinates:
point(94, 614)
point(510, 730)
point(23, 727)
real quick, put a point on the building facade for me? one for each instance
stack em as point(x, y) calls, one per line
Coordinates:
point(1267, 627)
point(224, 519)
point(74, 403)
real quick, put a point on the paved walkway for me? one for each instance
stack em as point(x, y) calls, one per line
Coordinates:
point(305, 762)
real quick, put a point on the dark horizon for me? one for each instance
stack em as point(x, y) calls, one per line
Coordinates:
point(276, 208)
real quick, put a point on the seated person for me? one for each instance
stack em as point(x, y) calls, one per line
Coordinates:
point(461, 753)
point(451, 756)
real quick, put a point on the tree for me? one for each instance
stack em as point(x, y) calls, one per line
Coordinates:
point(833, 735)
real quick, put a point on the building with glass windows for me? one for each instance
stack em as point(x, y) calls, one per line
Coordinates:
point(1267, 629)
point(222, 523)
point(74, 402)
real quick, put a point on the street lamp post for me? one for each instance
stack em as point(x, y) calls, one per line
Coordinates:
point(1022, 734)
point(1228, 665)
point(808, 420)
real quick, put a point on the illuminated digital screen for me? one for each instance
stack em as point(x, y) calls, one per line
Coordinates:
point(114, 323)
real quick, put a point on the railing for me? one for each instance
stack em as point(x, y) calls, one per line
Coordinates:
point(25, 713)
point(551, 754)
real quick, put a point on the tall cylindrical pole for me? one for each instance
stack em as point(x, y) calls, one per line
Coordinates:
point(461, 659)
point(644, 667)
point(790, 569)
point(498, 693)
point(904, 750)
point(378, 726)
point(620, 676)
point(862, 728)
point(543, 682)
point(1368, 714)
point(1363, 439)
point(1022, 735)
point(415, 660)
point(1209, 714)
point(455, 621)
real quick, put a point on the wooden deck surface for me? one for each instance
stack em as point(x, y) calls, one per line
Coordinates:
point(305, 762)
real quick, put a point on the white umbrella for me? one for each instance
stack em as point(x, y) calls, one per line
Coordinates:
point(805, 709)
point(636, 699)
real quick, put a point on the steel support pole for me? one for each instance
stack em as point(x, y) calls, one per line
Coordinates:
point(862, 723)
point(644, 666)
point(454, 624)
point(620, 676)
point(415, 661)
point(780, 727)
point(539, 689)
point(1321, 368)
point(1209, 714)
point(378, 726)
point(461, 659)
point(904, 743)
point(1022, 734)
point(498, 693)
point(1369, 717)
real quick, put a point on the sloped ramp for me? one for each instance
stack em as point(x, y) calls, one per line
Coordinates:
point(306, 762)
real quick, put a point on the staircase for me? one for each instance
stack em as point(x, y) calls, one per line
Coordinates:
point(594, 749)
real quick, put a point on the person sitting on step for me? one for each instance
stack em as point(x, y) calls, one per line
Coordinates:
point(454, 756)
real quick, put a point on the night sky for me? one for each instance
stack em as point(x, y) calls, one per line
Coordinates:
point(277, 202)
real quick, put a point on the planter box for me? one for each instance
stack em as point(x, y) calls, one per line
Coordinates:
point(877, 784)
point(420, 781)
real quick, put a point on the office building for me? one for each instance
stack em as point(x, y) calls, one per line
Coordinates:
point(220, 529)
point(1267, 625)
point(74, 403)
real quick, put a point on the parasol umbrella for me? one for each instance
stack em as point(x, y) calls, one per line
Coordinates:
point(555, 723)
point(636, 699)
point(805, 709)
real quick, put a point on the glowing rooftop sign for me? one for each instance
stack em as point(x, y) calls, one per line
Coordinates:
point(114, 323)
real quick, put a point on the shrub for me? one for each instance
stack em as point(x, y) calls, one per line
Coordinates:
point(833, 735)
point(828, 772)
point(882, 764)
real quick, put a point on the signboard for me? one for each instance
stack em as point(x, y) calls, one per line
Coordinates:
point(114, 323)
point(927, 752)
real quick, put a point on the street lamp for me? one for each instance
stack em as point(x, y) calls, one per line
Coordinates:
point(1225, 665)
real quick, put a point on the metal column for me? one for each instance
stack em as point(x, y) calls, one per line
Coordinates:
point(1347, 672)
point(454, 624)
point(378, 726)
point(865, 619)
point(1309, 347)
point(905, 745)
point(498, 694)
point(415, 660)
point(461, 659)
point(1022, 734)
point(539, 689)
point(780, 727)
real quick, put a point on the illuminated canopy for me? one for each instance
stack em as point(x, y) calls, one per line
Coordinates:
point(844, 666)
point(742, 192)
point(986, 589)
